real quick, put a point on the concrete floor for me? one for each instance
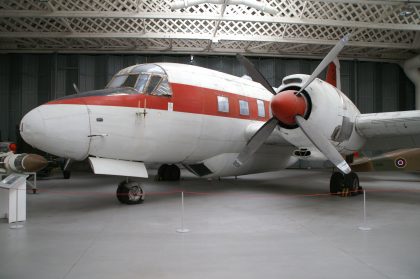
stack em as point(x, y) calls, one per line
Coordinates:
point(259, 226)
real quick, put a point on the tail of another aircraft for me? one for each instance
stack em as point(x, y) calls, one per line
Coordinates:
point(333, 74)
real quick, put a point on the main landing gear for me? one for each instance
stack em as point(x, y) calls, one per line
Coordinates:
point(130, 192)
point(169, 173)
point(345, 185)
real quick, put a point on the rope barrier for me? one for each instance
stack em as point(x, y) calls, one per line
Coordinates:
point(243, 195)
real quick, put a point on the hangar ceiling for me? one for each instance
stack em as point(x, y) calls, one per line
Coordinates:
point(381, 30)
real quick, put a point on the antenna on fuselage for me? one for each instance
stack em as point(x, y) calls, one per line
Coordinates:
point(76, 88)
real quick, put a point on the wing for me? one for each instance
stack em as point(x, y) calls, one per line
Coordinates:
point(390, 130)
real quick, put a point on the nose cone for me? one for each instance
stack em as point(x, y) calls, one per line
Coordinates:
point(32, 128)
point(58, 129)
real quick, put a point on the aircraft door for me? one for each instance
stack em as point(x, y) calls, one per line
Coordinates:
point(114, 132)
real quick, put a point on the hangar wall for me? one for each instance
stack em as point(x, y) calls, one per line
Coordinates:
point(28, 80)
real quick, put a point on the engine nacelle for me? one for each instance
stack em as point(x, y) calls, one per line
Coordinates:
point(329, 110)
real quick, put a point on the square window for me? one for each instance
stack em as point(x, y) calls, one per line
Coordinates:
point(243, 107)
point(223, 104)
point(261, 108)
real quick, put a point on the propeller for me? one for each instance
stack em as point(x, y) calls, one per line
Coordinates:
point(254, 73)
point(323, 145)
point(326, 61)
point(256, 141)
point(290, 108)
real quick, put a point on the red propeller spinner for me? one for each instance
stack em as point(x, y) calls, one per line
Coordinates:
point(287, 104)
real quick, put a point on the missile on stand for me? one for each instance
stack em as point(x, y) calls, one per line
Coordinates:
point(21, 163)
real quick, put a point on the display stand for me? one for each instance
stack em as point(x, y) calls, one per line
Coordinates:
point(13, 199)
point(32, 183)
point(31, 176)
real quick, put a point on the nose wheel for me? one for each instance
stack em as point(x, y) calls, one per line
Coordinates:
point(345, 185)
point(130, 192)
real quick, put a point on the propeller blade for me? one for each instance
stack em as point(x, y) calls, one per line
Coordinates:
point(254, 73)
point(256, 141)
point(327, 60)
point(323, 145)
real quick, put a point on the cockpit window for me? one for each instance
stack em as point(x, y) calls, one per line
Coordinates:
point(147, 68)
point(117, 81)
point(163, 88)
point(151, 86)
point(130, 81)
point(123, 81)
point(141, 83)
point(146, 78)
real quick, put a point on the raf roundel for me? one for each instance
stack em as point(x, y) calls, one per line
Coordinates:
point(400, 163)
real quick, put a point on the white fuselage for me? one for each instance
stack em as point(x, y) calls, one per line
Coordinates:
point(186, 127)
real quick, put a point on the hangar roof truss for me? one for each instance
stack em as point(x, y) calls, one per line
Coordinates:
point(381, 30)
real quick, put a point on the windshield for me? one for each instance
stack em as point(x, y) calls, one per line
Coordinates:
point(148, 79)
point(116, 82)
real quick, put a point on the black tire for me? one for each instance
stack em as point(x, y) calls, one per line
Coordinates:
point(172, 173)
point(336, 183)
point(66, 174)
point(130, 193)
point(175, 173)
point(161, 171)
point(351, 181)
point(167, 174)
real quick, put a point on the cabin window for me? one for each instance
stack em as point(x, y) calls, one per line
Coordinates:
point(243, 107)
point(222, 104)
point(261, 108)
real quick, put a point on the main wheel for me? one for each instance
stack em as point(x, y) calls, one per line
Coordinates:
point(174, 173)
point(336, 182)
point(169, 173)
point(130, 193)
point(351, 182)
point(161, 171)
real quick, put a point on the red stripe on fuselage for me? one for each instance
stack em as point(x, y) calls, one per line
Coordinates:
point(185, 98)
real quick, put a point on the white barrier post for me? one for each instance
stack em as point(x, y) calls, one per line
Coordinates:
point(182, 229)
point(364, 226)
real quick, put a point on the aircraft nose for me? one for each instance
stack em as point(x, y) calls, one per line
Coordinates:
point(33, 133)
point(61, 130)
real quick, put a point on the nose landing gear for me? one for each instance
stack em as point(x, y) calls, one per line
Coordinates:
point(345, 185)
point(130, 192)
